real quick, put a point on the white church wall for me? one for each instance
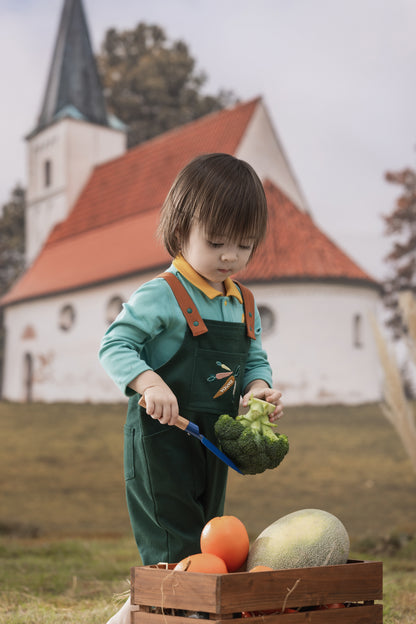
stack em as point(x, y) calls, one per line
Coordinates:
point(47, 201)
point(89, 145)
point(262, 148)
point(48, 145)
point(321, 348)
point(311, 347)
point(58, 338)
point(40, 218)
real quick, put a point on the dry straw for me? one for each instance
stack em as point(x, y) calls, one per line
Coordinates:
point(407, 304)
point(397, 409)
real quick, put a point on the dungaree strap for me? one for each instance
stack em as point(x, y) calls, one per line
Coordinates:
point(189, 309)
point(248, 300)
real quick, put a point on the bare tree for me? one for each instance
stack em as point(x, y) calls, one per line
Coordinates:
point(401, 228)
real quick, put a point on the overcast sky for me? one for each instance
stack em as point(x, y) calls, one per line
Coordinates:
point(337, 76)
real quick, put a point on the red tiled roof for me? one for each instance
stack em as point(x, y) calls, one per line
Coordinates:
point(295, 248)
point(110, 232)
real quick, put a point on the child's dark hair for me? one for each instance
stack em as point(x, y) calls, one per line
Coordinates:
point(222, 193)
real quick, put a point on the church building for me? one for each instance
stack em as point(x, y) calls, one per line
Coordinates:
point(91, 217)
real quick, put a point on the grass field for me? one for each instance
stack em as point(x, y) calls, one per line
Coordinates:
point(65, 545)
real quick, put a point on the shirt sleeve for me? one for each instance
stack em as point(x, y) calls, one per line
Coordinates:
point(257, 364)
point(150, 311)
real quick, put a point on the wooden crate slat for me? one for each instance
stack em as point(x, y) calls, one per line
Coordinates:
point(353, 582)
point(158, 618)
point(363, 614)
point(185, 590)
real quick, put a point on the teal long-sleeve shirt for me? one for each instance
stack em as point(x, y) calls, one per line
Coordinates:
point(150, 329)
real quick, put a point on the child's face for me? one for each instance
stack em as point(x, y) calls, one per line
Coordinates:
point(215, 259)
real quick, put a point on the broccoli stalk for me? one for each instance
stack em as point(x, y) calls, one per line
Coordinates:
point(250, 439)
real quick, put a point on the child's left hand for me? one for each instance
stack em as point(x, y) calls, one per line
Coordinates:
point(271, 395)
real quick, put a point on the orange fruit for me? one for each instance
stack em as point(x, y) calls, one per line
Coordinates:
point(226, 537)
point(202, 562)
point(261, 568)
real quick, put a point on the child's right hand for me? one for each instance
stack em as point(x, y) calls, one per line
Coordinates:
point(161, 404)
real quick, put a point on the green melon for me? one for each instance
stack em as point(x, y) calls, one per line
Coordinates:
point(302, 539)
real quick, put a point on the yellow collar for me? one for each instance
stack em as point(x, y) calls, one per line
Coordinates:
point(200, 282)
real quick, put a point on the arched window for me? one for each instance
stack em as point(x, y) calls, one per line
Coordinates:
point(48, 172)
point(357, 331)
point(28, 376)
point(114, 307)
point(66, 317)
point(268, 319)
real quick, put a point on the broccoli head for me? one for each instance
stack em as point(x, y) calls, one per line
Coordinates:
point(250, 439)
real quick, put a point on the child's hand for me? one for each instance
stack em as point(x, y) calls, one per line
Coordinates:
point(159, 401)
point(271, 395)
point(161, 404)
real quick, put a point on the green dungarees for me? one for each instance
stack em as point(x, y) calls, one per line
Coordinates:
point(174, 484)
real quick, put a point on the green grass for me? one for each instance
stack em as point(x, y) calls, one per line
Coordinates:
point(66, 547)
point(65, 580)
point(399, 584)
point(61, 469)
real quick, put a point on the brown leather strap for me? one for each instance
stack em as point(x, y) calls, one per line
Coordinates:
point(189, 309)
point(248, 300)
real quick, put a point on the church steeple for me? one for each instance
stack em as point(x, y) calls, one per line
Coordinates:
point(73, 88)
point(73, 134)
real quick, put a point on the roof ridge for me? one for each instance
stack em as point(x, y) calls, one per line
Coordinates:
point(199, 120)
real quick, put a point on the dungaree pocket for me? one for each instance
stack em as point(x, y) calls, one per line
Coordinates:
point(216, 371)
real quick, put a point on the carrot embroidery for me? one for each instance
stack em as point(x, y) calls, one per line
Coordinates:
point(228, 384)
point(229, 376)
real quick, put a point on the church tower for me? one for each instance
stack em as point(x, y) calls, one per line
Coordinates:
point(73, 133)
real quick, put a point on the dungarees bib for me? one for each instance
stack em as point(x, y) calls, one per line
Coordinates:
point(174, 484)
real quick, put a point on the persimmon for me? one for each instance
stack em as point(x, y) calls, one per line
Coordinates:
point(261, 568)
point(226, 537)
point(202, 562)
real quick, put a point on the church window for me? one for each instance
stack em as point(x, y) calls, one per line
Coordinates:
point(114, 307)
point(66, 317)
point(28, 376)
point(357, 330)
point(268, 319)
point(48, 172)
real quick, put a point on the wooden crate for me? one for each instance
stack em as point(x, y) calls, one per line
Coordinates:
point(160, 595)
